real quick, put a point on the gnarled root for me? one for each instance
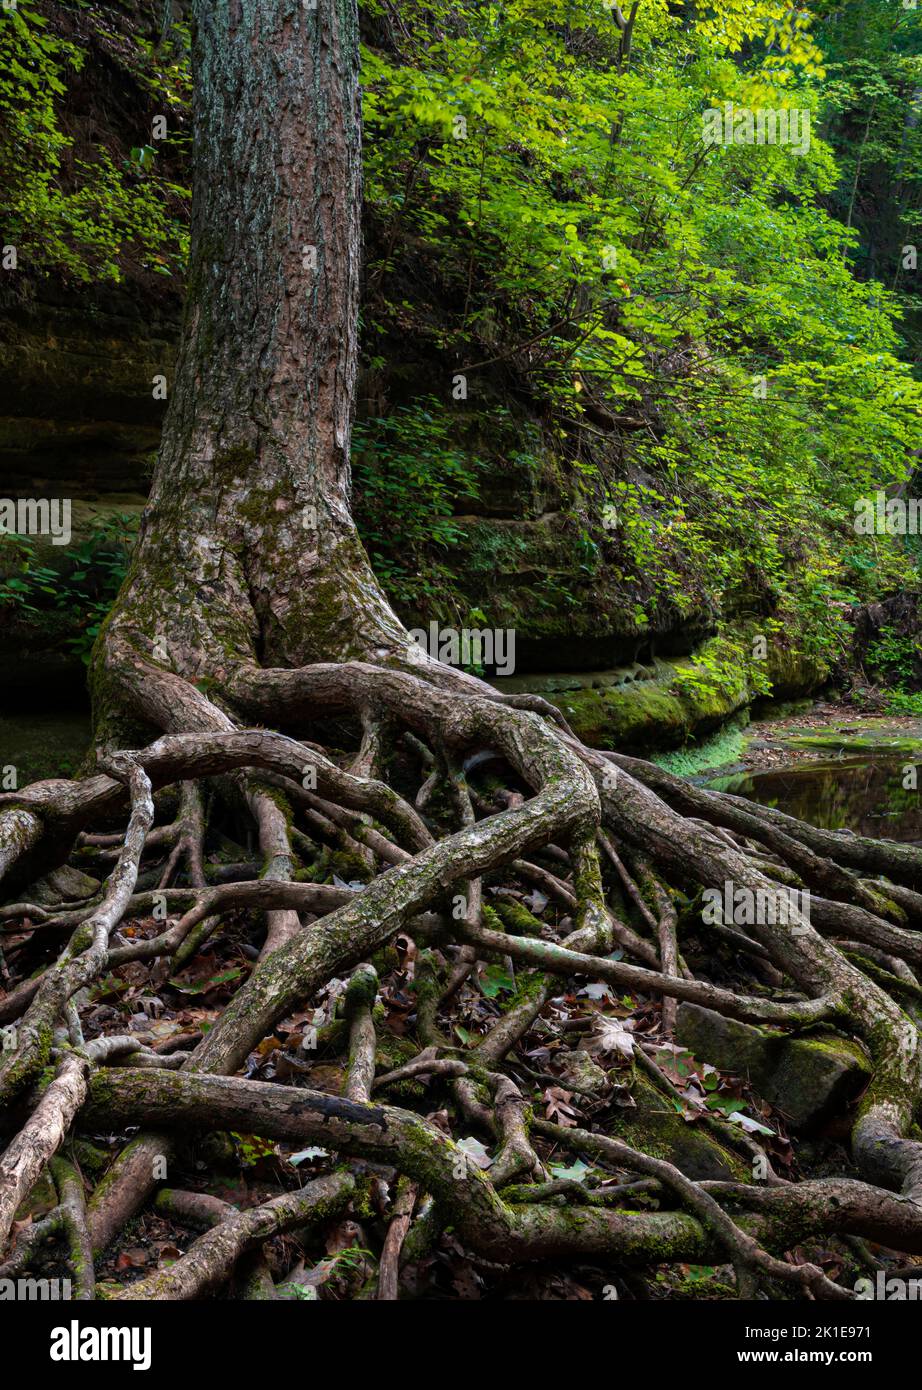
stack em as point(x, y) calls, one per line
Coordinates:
point(451, 870)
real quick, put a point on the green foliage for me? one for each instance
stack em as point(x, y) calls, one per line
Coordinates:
point(716, 340)
point(253, 1148)
point(905, 701)
point(895, 658)
point(588, 239)
point(72, 207)
point(717, 751)
point(871, 111)
point(893, 661)
point(495, 980)
point(80, 587)
point(895, 653)
point(410, 477)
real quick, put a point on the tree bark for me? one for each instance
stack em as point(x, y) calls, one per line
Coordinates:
point(247, 551)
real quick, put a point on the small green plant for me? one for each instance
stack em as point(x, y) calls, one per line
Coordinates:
point(252, 1148)
point(895, 659)
point(83, 588)
point(905, 701)
point(896, 656)
point(70, 207)
point(723, 663)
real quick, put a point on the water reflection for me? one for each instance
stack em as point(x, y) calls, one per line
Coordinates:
point(856, 794)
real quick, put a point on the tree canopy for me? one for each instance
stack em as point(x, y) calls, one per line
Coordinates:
point(717, 341)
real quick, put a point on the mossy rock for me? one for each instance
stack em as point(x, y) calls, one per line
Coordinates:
point(64, 884)
point(658, 1129)
point(893, 746)
point(665, 703)
point(808, 1079)
point(636, 716)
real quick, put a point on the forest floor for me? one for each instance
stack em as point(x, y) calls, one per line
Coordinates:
point(579, 1065)
point(714, 1097)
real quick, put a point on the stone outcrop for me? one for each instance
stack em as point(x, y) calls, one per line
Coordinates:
point(809, 1079)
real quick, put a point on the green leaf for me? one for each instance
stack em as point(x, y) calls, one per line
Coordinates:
point(495, 980)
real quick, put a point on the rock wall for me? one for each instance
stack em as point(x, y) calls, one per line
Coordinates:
point(79, 419)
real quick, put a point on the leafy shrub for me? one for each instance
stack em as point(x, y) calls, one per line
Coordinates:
point(409, 476)
point(82, 589)
point(63, 212)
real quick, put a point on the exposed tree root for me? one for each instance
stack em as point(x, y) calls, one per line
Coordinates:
point(450, 870)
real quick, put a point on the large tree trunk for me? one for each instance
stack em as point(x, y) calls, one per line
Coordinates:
point(248, 552)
